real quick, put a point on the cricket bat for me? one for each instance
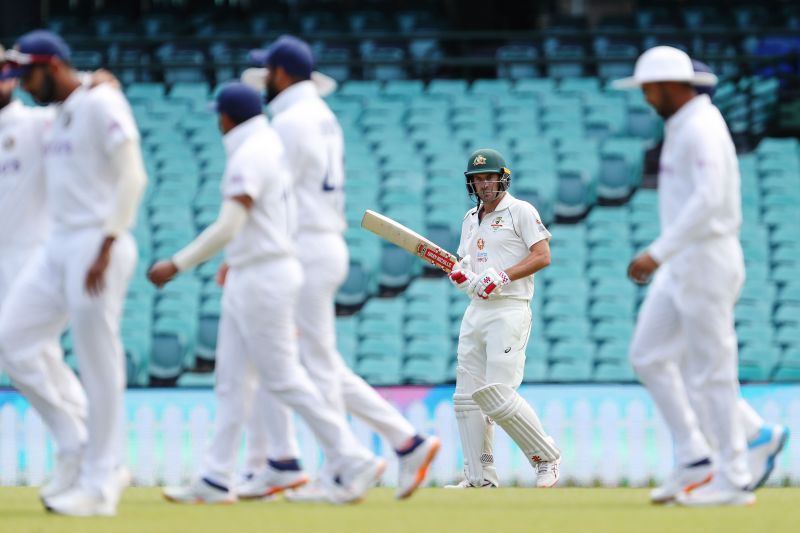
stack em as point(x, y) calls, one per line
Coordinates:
point(408, 240)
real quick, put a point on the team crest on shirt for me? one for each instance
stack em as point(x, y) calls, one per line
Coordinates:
point(8, 143)
point(497, 223)
point(481, 244)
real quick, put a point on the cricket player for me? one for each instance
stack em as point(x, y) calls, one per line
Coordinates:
point(23, 230)
point(94, 179)
point(503, 243)
point(256, 330)
point(684, 347)
point(693, 442)
point(315, 149)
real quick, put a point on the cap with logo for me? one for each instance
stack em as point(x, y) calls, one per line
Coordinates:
point(238, 101)
point(37, 47)
point(487, 160)
point(664, 63)
point(295, 57)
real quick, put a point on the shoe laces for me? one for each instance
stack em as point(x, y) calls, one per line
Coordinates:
point(542, 467)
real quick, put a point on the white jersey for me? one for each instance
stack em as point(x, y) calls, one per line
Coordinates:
point(502, 239)
point(257, 168)
point(699, 186)
point(81, 182)
point(23, 216)
point(315, 148)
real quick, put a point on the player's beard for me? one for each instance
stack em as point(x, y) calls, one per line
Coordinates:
point(271, 92)
point(47, 91)
point(5, 98)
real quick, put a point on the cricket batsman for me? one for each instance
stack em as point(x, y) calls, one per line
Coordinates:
point(503, 244)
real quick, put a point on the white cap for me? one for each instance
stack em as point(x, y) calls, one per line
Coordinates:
point(664, 63)
point(256, 78)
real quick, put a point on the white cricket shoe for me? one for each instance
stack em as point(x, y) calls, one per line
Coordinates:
point(714, 495)
point(65, 474)
point(547, 473)
point(465, 484)
point(201, 490)
point(682, 479)
point(353, 487)
point(414, 467)
point(80, 501)
point(317, 491)
point(762, 452)
point(270, 481)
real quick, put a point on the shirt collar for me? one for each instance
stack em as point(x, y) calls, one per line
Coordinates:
point(504, 203)
point(236, 137)
point(688, 109)
point(9, 113)
point(291, 95)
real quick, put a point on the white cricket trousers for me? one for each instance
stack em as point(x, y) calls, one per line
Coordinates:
point(684, 351)
point(257, 334)
point(49, 293)
point(491, 349)
point(271, 434)
point(13, 261)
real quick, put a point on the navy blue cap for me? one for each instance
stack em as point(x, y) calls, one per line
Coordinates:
point(238, 101)
point(699, 66)
point(290, 53)
point(35, 47)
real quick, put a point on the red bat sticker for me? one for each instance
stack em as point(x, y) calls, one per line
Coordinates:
point(436, 257)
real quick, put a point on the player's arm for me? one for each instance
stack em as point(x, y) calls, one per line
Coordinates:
point(128, 166)
point(692, 224)
point(536, 260)
point(232, 217)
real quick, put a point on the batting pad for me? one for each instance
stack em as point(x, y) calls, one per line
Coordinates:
point(517, 418)
point(471, 428)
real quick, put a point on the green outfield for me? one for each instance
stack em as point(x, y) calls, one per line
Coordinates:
point(435, 510)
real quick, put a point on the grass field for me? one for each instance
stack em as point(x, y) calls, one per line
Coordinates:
point(496, 511)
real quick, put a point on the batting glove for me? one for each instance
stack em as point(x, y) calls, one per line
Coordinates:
point(462, 276)
point(491, 282)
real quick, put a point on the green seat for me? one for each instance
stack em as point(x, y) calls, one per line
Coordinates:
point(573, 350)
point(620, 330)
point(570, 371)
point(200, 380)
point(381, 370)
point(611, 371)
point(535, 370)
point(170, 348)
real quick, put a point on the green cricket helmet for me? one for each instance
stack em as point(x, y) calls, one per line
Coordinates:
point(486, 160)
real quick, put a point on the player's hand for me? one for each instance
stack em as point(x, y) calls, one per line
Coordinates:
point(101, 76)
point(491, 282)
point(95, 278)
point(162, 272)
point(461, 276)
point(641, 268)
point(222, 274)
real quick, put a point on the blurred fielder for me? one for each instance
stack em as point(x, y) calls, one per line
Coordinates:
point(23, 230)
point(95, 175)
point(256, 330)
point(503, 243)
point(315, 150)
point(684, 347)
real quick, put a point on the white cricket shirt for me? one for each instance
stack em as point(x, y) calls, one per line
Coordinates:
point(699, 190)
point(23, 212)
point(81, 182)
point(315, 149)
point(257, 167)
point(502, 239)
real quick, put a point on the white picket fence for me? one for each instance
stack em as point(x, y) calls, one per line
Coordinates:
point(607, 438)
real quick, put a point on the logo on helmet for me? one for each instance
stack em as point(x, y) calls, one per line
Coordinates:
point(479, 160)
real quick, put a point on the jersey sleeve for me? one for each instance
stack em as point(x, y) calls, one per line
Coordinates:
point(530, 227)
point(242, 177)
point(114, 120)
